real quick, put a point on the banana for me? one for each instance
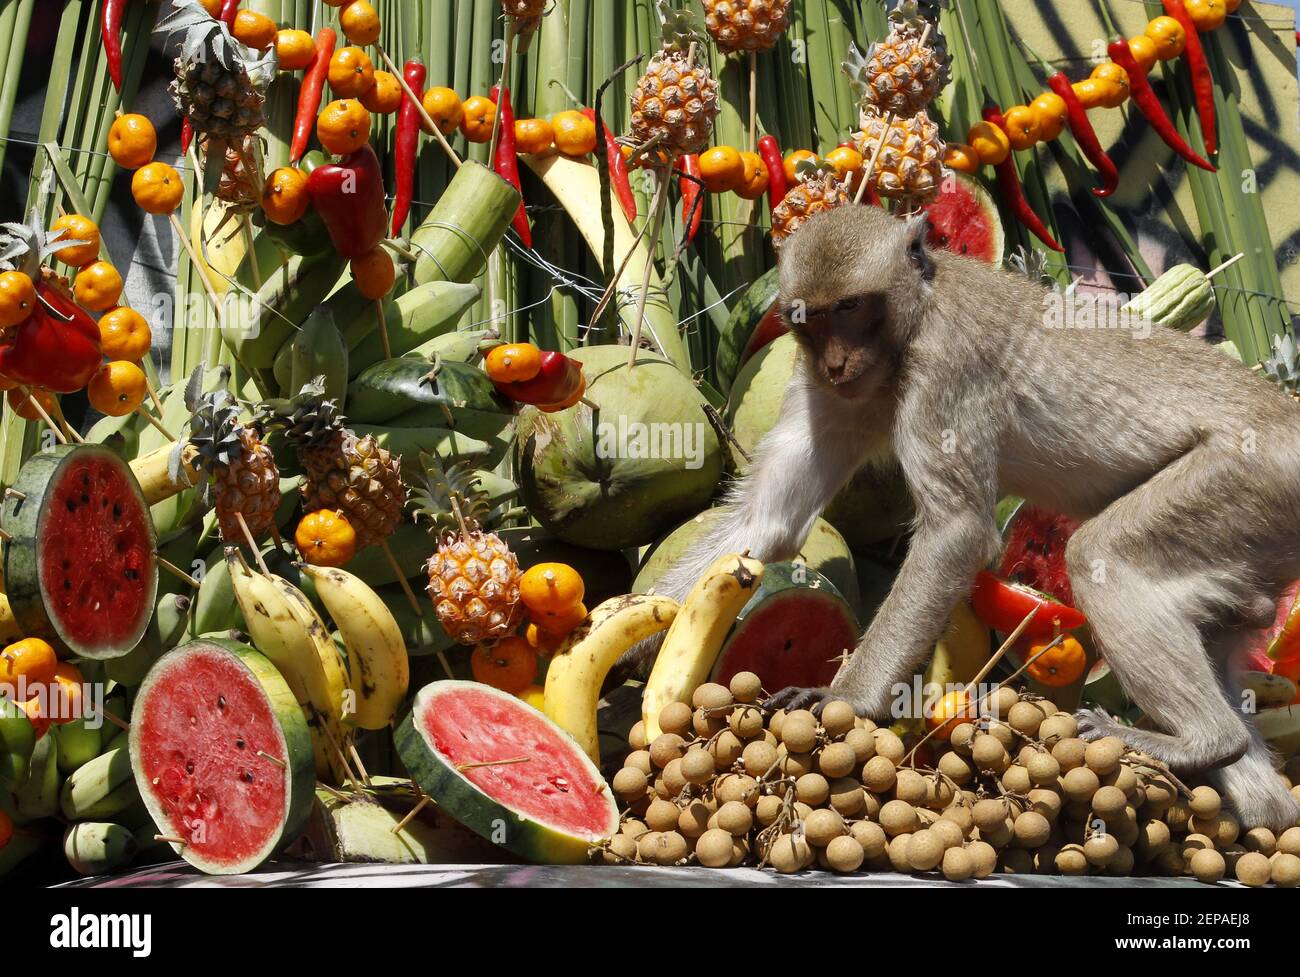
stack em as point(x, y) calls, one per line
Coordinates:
point(696, 635)
point(98, 847)
point(327, 697)
point(255, 329)
point(79, 743)
point(961, 652)
point(38, 797)
point(101, 788)
point(1280, 728)
point(9, 630)
point(415, 318)
point(577, 671)
point(378, 668)
point(318, 349)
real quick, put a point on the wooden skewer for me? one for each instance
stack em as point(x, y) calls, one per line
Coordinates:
point(199, 266)
point(419, 107)
point(6, 536)
point(252, 543)
point(68, 429)
point(1226, 265)
point(871, 165)
point(153, 393)
point(115, 720)
point(13, 493)
point(401, 578)
point(410, 815)
point(171, 839)
point(155, 422)
point(512, 30)
point(361, 767)
point(383, 328)
point(176, 571)
point(49, 421)
point(753, 100)
point(492, 763)
point(276, 760)
point(657, 209)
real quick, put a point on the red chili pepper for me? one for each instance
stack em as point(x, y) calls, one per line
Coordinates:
point(1002, 606)
point(187, 135)
point(1085, 135)
point(507, 162)
point(349, 196)
point(309, 96)
point(56, 347)
point(228, 10)
point(1144, 97)
point(557, 381)
point(777, 187)
point(1199, 68)
point(406, 143)
point(1012, 192)
point(691, 190)
point(618, 178)
point(110, 30)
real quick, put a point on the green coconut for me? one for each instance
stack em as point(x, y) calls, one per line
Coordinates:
point(874, 506)
point(823, 551)
point(622, 472)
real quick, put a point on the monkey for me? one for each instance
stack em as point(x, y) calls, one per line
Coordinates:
point(1182, 467)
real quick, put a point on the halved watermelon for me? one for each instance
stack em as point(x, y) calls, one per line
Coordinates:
point(82, 568)
point(964, 220)
point(505, 771)
point(793, 631)
point(1034, 553)
point(221, 755)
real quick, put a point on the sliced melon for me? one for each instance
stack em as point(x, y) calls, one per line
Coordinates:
point(82, 569)
point(505, 771)
point(964, 220)
point(794, 631)
point(221, 755)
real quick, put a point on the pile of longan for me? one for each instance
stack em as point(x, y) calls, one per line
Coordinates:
point(729, 782)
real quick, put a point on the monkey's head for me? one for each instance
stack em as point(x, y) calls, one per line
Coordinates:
point(854, 281)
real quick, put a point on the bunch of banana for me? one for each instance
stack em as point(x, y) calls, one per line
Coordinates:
point(285, 627)
point(578, 669)
point(693, 641)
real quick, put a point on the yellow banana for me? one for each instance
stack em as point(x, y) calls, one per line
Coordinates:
point(696, 635)
point(578, 669)
point(378, 666)
point(327, 685)
point(960, 653)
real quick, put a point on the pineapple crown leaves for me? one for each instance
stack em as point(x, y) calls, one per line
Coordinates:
point(215, 428)
point(1029, 262)
point(855, 67)
point(451, 496)
point(205, 38)
point(307, 418)
point(681, 28)
point(1283, 367)
point(807, 170)
point(24, 247)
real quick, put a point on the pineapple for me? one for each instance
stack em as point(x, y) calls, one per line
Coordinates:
point(524, 9)
point(220, 84)
point(238, 188)
point(473, 577)
point(1283, 367)
point(245, 479)
point(341, 472)
point(910, 165)
point(746, 25)
point(820, 188)
point(675, 102)
point(900, 75)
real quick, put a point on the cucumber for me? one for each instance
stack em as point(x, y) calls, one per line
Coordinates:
point(460, 394)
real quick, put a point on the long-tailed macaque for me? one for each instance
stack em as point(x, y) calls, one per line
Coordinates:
point(1184, 467)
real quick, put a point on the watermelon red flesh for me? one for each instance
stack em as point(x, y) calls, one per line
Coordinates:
point(770, 328)
point(205, 740)
point(964, 220)
point(1034, 554)
point(795, 637)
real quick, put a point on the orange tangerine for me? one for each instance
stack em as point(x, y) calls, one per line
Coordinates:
point(97, 287)
point(445, 109)
point(533, 136)
point(513, 362)
point(575, 134)
point(132, 141)
point(721, 169)
point(351, 72)
point(385, 96)
point(343, 127)
point(157, 188)
point(117, 389)
point(296, 49)
point(31, 659)
point(989, 142)
point(124, 335)
point(550, 588)
point(17, 298)
point(360, 22)
point(256, 30)
point(284, 195)
point(755, 181)
point(374, 272)
point(77, 228)
point(1052, 113)
point(326, 539)
point(480, 116)
point(509, 665)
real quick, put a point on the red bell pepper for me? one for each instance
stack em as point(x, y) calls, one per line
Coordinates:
point(349, 196)
point(692, 194)
point(1144, 97)
point(228, 10)
point(618, 178)
point(777, 188)
point(1199, 68)
point(506, 163)
point(56, 347)
point(309, 95)
point(406, 145)
point(1084, 134)
point(110, 30)
point(1012, 191)
point(557, 381)
point(1002, 605)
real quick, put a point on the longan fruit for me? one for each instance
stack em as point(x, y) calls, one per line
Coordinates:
point(1000, 701)
point(1261, 840)
point(746, 721)
point(938, 793)
point(630, 783)
point(726, 748)
point(666, 748)
point(862, 743)
point(706, 724)
point(713, 848)
point(633, 828)
point(889, 745)
point(963, 734)
point(847, 797)
point(1070, 752)
point(952, 765)
point(621, 848)
point(674, 779)
point(1102, 756)
point(1194, 843)
point(1025, 717)
point(735, 818)
point(662, 815)
point(1121, 864)
point(897, 852)
point(1178, 815)
point(790, 853)
point(647, 847)
point(675, 718)
point(1109, 802)
point(1285, 870)
point(1227, 829)
point(1016, 861)
point(694, 820)
point(799, 731)
point(1080, 784)
point(988, 754)
point(711, 695)
point(1253, 869)
point(745, 687)
point(812, 789)
point(822, 826)
point(960, 815)
point(1100, 849)
point(1071, 860)
point(898, 818)
point(767, 810)
point(998, 835)
point(957, 865)
point(795, 764)
point(836, 760)
point(988, 813)
point(870, 836)
point(1288, 841)
point(636, 736)
point(984, 859)
point(951, 834)
point(698, 766)
point(1004, 734)
point(1205, 802)
point(1015, 779)
point(1053, 729)
point(1046, 802)
point(640, 760)
point(736, 787)
point(1160, 793)
point(1231, 854)
point(925, 850)
point(1153, 838)
point(837, 718)
point(843, 854)
point(909, 786)
point(879, 774)
point(1043, 769)
point(1170, 863)
point(758, 757)
point(1031, 829)
point(775, 722)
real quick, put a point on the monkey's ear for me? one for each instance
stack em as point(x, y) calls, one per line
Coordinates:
point(917, 256)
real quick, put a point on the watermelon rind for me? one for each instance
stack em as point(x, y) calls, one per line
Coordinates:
point(529, 838)
point(968, 186)
point(21, 515)
point(295, 740)
point(733, 338)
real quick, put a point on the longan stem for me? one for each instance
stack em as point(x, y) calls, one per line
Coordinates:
point(657, 209)
point(401, 578)
point(419, 107)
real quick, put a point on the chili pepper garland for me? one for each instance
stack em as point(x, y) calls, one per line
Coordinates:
point(1084, 134)
point(777, 187)
point(1199, 68)
point(506, 163)
point(309, 95)
point(1144, 97)
point(110, 29)
point(406, 143)
point(1013, 194)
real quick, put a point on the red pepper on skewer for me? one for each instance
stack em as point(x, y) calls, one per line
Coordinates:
point(228, 10)
point(56, 347)
point(1002, 605)
point(1199, 68)
point(558, 379)
point(309, 96)
point(691, 190)
point(349, 197)
point(507, 162)
point(406, 143)
point(110, 29)
point(777, 187)
point(618, 178)
point(1012, 192)
point(1144, 97)
point(1085, 135)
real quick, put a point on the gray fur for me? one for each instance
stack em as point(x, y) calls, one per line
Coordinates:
point(1184, 467)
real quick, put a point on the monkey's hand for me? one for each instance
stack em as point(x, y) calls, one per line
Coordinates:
point(794, 697)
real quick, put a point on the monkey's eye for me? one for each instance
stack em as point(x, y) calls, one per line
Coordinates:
point(848, 305)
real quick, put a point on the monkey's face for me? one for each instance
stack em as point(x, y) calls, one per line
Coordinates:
point(844, 343)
